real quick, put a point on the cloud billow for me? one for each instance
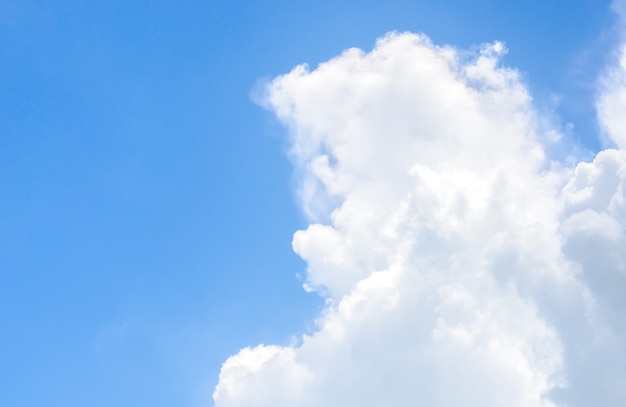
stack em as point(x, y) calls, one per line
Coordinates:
point(461, 265)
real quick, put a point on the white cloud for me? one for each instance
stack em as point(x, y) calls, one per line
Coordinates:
point(461, 266)
point(612, 101)
point(612, 96)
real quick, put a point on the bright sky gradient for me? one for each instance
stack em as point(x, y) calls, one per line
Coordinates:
point(148, 202)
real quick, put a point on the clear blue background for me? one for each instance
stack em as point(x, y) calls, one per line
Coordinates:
point(146, 204)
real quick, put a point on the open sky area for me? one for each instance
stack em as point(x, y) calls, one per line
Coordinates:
point(157, 157)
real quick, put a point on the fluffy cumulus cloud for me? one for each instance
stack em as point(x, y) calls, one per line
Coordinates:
point(462, 266)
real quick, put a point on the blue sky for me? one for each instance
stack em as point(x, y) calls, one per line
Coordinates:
point(148, 203)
